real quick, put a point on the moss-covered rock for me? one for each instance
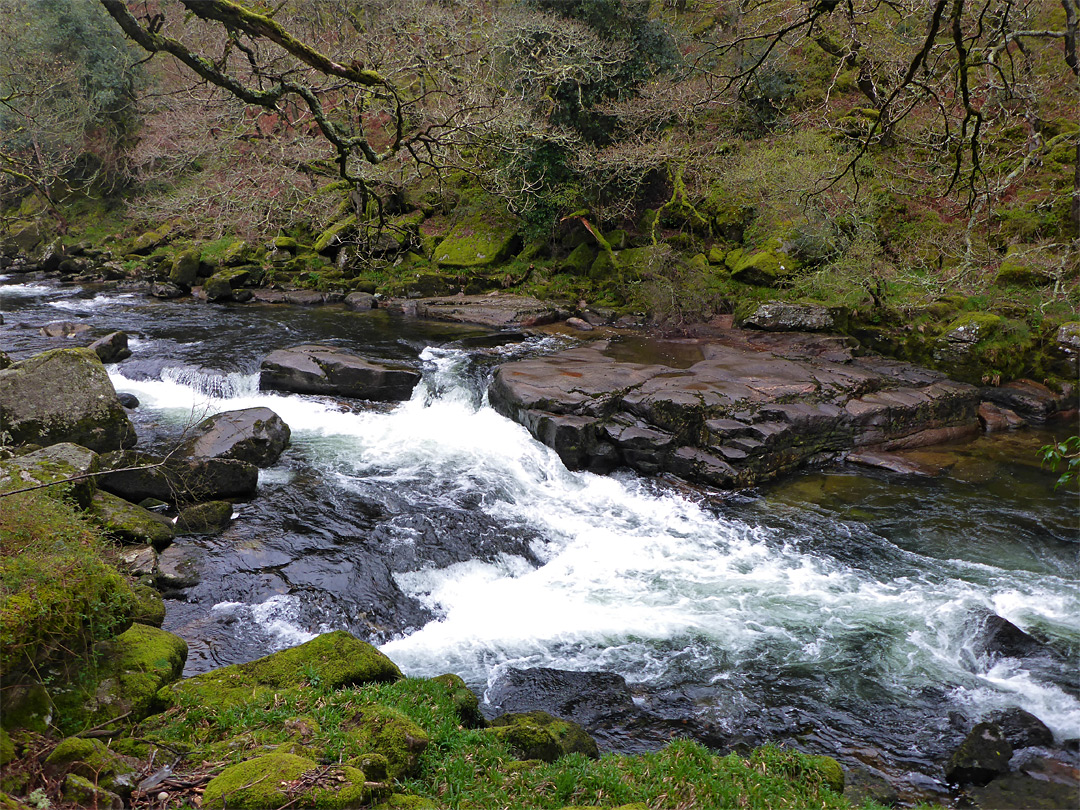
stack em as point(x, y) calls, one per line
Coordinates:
point(148, 606)
point(146, 243)
point(466, 704)
point(766, 267)
point(538, 735)
point(579, 260)
point(334, 660)
point(130, 670)
point(386, 731)
point(58, 464)
point(63, 395)
point(982, 755)
point(279, 780)
point(330, 239)
point(219, 287)
point(185, 268)
point(831, 772)
point(478, 241)
point(92, 759)
point(978, 346)
point(238, 253)
point(7, 747)
point(81, 792)
point(26, 706)
point(131, 524)
point(204, 518)
point(1015, 272)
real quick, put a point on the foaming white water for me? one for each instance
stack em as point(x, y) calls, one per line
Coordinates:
point(92, 304)
point(276, 617)
point(31, 290)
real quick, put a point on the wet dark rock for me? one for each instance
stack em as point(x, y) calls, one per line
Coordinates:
point(726, 411)
point(1018, 790)
point(166, 289)
point(5, 359)
point(314, 369)
point(984, 754)
point(781, 316)
point(204, 518)
point(129, 401)
point(177, 569)
point(255, 435)
point(63, 395)
point(893, 463)
point(112, 348)
point(64, 329)
point(995, 419)
point(1022, 729)
point(1030, 400)
point(360, 301)
point(999, 636)
point(176, 480)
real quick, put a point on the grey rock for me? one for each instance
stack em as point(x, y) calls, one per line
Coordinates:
point(360, 301)
point(255, 435)
point(62, 464)
point(64, 329)
point(166, 289)
point(314, 369)
point(780, 316)
point(137, 476)
point(112, 348)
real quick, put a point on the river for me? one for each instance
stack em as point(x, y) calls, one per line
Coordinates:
point(838, 609)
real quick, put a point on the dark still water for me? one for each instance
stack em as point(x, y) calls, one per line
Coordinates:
point(841, 607)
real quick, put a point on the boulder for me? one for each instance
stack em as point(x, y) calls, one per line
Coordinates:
point(382, 730)
point(139, 561)
point(538, 735)
point(131, 524)
point(780, 316)
point(998, 636)
point(112, 348)
point(360, 301)
point(496, 311)
point(984, 754)
point(204, 518)
point(177, 568)
point(255, 435)
point(82, 792)
point(313, 369)
point(136, 476)
point(58, 464)
point(149, 607)
point(129, 401)
point(185, 268)
point(287, 780)
point(219, 287)
point(1031, 401)
point(92, 759)
point(994, 418)
point(1066, 349)
point(465, 701)
point(730, 410)
point(64, 329)
point(335, 659)
point(479, 240)
point(166, 289)
point(1022, 729)
point(63, 395)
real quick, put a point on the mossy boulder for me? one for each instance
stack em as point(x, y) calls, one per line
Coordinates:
point(82, 792)
point(57, 464)
point(185, 268)
point(94, 760)
point(479, 240)
point(979, 346)
point(148, 607)
point(1015, 272)
point(219, 287)
point(335, 660)
point(579, 260)
point(7, 747)
point(538, 735)
point(204, 518)
point(466, 704)
point(830, 771)
point(149, 241)
point(766, 267)
point(287, 780)
point(238, 253)
point(63, 395)
point(131, 524)
point(984, 754)
point(386, 731)
point(130, 671)
point(331, 239)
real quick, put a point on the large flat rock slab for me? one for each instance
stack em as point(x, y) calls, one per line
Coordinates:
point(495, 310)
point(317, 369)
point(729, 410)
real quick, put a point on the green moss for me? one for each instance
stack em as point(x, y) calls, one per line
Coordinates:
point(466, 704)
point(147, 606)
point(388, 732)
point(130, 523)
point(27, 707)
point(331, 661)
point(1015, 272)
point(329, 238)
point(832, 775)
point(91, 759)
point(538, 735)
point(82, 792)
point(479, 240)
point(7, 747)
point(579, 260)
point(204, 518)
point(763, 268)
point(278, 780)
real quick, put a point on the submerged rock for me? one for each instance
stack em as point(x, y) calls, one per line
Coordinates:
point(63, 395)
point(314, 369)
point(255, 435)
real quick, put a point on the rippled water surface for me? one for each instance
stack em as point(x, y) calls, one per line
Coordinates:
point(841, 607)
